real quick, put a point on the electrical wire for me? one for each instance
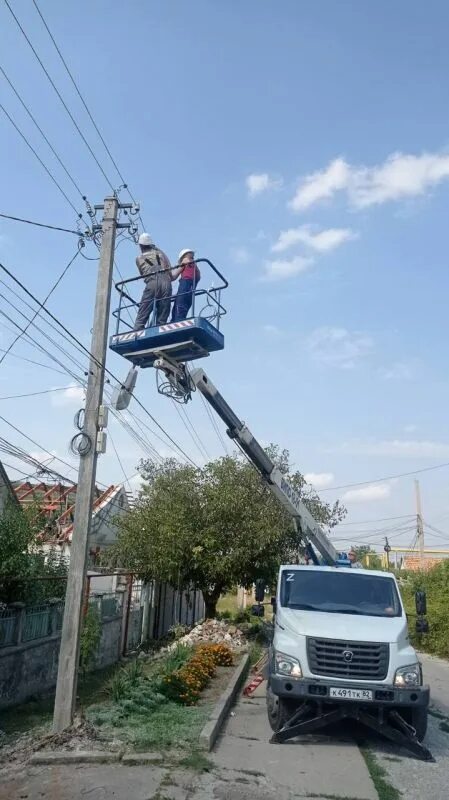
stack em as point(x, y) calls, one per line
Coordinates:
point(42, 305)
point(119, 461)
point(35, 394)
point(99, 364)
point(191, 431)
point(69, 73)
point(59, 95)
point(24, 105)
point(50, 174)
point(36, 363)
point(386, 478)
point(382, 519)
point(214, 425)
point(41, 224)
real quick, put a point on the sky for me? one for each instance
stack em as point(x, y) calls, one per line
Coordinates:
point(304, 149)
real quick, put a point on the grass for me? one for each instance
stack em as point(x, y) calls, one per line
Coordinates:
point(167, 726)
point(384, 789)
point(38, 714)
point(197, 761)
point(228, 602)
point(256, 651)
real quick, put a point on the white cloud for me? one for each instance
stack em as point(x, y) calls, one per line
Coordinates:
point(367, 494)
point(401, 448)
point(278, 270)
point(400, 176)
point(240, 255)
point(272, 330)
point(321, 242)
point(321, 185)
point(73, 396)
point(399, 371)
point(338, 347)
point(263, 182)
point(320, 480)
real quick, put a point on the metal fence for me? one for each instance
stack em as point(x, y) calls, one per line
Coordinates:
point(37, 623)
point(8, 622)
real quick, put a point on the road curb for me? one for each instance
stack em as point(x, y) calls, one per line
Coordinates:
point(50, 757)
point(209, 734)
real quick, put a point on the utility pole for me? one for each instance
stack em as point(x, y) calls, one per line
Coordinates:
point(71, 629)
point(419, 525)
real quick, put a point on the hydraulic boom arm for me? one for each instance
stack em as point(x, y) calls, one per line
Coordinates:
point(272, 475)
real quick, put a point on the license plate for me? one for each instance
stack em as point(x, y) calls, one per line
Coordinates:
point(350, 694)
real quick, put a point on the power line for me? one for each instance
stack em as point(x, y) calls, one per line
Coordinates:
point(119, 461)
point(50, 174)
point(59, 96)
point(36, 363)
point(24, 105)
point(191, 431)
point(214, 425)
point(36, 444)
point(85, 349)
point(41, 224)
point(69, 73)
point(382, 519)
point(42, 305)
point(386, 478)
point(35, 394)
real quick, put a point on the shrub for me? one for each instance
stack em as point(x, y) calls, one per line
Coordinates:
point(186, 684)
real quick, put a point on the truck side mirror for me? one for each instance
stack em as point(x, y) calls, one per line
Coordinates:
point(260, 591)
point(422, 626)
point(273, 603)
point(421, 603)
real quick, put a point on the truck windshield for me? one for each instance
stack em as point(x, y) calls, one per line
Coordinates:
point(340, 593)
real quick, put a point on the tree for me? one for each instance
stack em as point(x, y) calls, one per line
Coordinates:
point(22, 558)
point(362, 551)
point(212, 528)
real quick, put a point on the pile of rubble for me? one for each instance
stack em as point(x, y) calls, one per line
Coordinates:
point(211, 631)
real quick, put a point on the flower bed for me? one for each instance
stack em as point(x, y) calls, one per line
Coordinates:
point(185, 685)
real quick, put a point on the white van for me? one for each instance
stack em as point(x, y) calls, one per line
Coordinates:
point(341, 636)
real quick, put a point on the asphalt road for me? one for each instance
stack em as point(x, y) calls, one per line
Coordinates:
point(418, 780)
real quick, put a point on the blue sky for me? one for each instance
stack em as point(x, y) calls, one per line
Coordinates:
point(303, 147)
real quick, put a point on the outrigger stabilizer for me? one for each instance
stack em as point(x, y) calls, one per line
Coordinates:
point(404, 735)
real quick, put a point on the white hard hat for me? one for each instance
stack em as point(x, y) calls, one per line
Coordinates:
point(185, 252)
point(145, 239)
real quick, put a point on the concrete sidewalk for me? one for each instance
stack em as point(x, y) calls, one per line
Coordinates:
point(247, 767)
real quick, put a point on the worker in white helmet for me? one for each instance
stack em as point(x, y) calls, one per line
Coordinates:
point(189, 279)
point(156, 270)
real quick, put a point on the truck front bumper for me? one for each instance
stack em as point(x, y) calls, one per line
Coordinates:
point(319, 690)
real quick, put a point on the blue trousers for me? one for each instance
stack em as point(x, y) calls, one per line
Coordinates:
point(183, 299)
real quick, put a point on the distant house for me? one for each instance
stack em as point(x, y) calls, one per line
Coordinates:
point(57, 503)
point(414, 564)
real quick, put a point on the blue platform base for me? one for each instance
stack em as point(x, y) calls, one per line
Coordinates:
point(184, 341)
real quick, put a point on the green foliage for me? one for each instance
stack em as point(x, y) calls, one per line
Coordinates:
point(435, 582)
point(214, 527)
point(90, 638)
point(373, 561)
point(22, 560)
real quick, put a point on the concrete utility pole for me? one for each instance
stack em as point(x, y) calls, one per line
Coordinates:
point(419, 524)
point(71, 630)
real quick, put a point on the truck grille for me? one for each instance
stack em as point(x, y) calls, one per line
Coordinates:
point(333, 658)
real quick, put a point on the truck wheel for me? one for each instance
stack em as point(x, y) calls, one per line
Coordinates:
point(279, 710)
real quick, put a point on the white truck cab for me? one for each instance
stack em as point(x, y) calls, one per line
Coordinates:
point(341, 636)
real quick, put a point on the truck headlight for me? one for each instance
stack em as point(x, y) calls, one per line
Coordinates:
point(406, 677)
point(287, 665)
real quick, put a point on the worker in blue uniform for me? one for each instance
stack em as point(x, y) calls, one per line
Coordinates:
point(188, 281)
